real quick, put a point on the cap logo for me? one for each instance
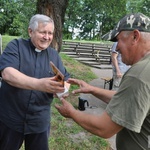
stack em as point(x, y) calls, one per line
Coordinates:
point(131, 20)
point(144, 20)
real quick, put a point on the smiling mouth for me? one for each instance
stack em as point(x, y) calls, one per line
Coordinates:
point(45, 41)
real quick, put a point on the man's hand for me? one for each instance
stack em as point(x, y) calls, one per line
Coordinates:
point(49, 85)
point(66, 109)
point(20, 80)
point(84, 87)
point(100, 125)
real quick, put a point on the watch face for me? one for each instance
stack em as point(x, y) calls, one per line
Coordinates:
point(58, 75)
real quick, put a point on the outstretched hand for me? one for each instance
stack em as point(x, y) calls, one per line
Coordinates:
point(83, 86)
point(50, 85)
point(66, 109)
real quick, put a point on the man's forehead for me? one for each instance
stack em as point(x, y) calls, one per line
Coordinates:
point(49, 26)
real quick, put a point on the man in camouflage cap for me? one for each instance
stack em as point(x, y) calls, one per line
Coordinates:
point(129, 23)
point(128, 111)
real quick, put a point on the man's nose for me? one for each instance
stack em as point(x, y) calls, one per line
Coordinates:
point(46, 36)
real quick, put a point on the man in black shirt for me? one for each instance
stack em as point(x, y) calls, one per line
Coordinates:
point(28, 86)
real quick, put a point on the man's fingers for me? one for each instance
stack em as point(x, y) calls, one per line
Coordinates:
point(76, 91)
point(73, 81)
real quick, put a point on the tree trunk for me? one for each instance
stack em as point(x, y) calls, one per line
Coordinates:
point(56, 10)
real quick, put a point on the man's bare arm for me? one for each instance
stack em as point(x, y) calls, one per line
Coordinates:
point(100, 125)
point(103, 94)
point(20, 80)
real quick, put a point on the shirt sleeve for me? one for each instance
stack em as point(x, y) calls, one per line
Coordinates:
point(130, 105)
point(113, 49)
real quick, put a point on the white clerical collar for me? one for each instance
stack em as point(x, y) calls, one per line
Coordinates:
point(37, 50)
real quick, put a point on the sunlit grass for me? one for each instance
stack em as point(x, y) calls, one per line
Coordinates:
point(6, 39)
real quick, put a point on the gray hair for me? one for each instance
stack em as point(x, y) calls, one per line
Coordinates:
point(39, 18)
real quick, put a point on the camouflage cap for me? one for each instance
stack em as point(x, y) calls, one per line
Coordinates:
point(129, 23)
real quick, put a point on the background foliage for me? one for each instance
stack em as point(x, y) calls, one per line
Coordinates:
point(84, 19)
point(15, 15)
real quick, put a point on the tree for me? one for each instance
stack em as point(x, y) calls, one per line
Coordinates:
point(112, 12)
point(93, 18)
point(144, 7)
point(5, 11)
point(88, 19)
point(72, 18)
point(14, 16)
point(56, 10)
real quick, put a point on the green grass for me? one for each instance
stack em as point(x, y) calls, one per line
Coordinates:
point(6, 39)
point(66, 134)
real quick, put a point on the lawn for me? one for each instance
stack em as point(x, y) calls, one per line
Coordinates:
point(6, 39)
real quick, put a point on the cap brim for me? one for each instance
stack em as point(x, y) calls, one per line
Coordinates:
point(110, 36)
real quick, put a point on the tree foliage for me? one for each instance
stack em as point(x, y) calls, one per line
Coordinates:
point(14, 15)
point(144, 7)
point(80, 19)
point(92, 18)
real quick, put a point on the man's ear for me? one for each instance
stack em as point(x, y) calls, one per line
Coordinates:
point(29, 32)
point(136, 35)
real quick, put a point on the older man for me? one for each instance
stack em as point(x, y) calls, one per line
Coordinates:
point(128, 110)
point(28, 86)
